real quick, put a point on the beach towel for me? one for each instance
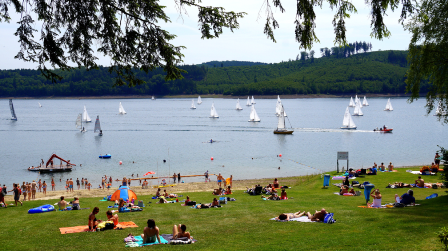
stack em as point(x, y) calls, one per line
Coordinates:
point(104, 199)
point(139, 242)
point(300, 219)
point(342, 178)
point(85, 228)
point(182, 240)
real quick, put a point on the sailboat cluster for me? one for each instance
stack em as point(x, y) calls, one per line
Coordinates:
point(347, 122)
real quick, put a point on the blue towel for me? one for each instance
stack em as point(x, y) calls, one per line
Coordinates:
point(140, 241)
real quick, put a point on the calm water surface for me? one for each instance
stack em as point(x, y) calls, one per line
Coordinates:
point(152, 131)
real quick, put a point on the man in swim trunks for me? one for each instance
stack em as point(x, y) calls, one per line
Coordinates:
point(420, 182)
point(62, 204)
point(151, 232)
point(220, 179)
point(318, 215)
point(382, 167)
point(390, 167)
point(71, 185)
point(33, 189)
point(77, 183)
point(437, 159)
point(206, 176)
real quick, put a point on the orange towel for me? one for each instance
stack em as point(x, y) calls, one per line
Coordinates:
point(85, 228)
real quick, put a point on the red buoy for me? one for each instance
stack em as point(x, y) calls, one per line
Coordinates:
point(211, 158)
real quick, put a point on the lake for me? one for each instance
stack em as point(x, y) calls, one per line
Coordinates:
point(167, 129)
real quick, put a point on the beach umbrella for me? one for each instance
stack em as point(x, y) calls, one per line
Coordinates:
point(123, 193)
point(148, 173)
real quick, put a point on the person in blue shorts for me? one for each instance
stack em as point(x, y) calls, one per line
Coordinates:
point(407, 198)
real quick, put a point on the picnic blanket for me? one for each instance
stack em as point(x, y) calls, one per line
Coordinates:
point(85, 228)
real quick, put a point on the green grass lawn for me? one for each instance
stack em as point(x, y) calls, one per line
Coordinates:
point(244, 224)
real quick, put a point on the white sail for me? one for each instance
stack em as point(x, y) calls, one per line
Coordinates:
point(364, 102)
point(152, 98)
point(213, 113)
point(389, 106)
point(79, 123)
point(199, 100)
point(347, 122)
point(281, 120)
point(192, 104)
point(278, 108)
point(253, 100)
point(352, 104)
point(13, 113)
point(253, 117)
point(121, 109)
point(39, 104)
point(358, 111)
point(248, 101)
point(238, 106)
point(440, 111)
point(85, 116)
point(97, 125)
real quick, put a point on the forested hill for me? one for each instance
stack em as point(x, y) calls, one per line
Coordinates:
point(371, 72)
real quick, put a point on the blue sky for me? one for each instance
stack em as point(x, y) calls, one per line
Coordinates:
point(247, 43)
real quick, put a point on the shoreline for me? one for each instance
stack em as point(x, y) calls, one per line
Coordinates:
point(240, 184)
point(289, 96)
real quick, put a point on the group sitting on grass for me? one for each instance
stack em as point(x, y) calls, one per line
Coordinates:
point(126, 206)
point(215, 203)
point(151, 233)
point(95, 224)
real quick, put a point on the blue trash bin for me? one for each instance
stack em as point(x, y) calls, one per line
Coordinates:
point(326, 180)
point(367, 189)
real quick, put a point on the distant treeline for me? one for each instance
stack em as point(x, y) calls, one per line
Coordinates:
point(372, 72)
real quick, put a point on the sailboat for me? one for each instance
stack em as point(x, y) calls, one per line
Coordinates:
point(121, 109)
point(281, 129)
point(199, 100)
point(440, 111)
point(248, 101)
point(389, 106)
point(352, 104)
point(39, 104)
point(85, 116)
point(348, 123)
point(278, 107)
point(364, 102)
point(79, 123)
point(253, 100)
point(192, 104)
point(98, 126)
point(253, 117)
point(238, 106)
point(213, 113)
point(152, 98)
point(357, 111)
point(13, 113)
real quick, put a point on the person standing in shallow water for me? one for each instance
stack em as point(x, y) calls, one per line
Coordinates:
point(178, 178)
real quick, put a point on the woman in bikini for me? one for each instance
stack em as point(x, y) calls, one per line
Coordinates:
point(24, 191)
point(151, 232)
point(93, 222)
point(158, 193)
point(288, 216)
point(52, 184)
point(44, 188)
point(182, 233)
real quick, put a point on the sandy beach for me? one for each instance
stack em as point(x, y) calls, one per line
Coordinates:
point(180, 188)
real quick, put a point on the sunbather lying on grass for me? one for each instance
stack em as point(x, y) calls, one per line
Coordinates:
point(271, 197)
point(398, 185)
point(288, 216)
point(318, 215)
